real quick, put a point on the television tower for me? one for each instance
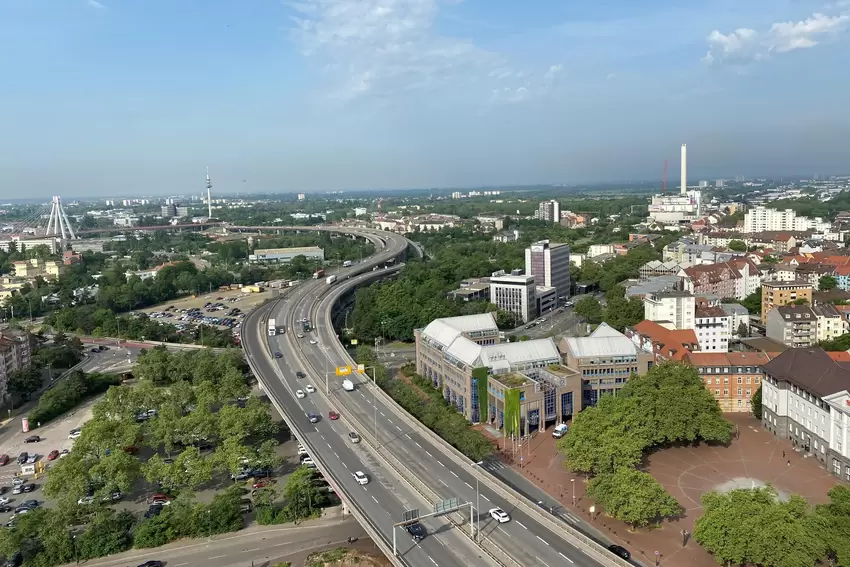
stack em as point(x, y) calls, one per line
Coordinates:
point(58, 224)
point(209, 194)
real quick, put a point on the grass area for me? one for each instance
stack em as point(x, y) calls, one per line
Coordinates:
point(324, 557)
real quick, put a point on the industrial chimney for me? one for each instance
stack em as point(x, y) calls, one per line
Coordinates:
point(684, 169)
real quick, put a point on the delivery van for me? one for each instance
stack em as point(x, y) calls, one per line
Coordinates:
point(560, 430)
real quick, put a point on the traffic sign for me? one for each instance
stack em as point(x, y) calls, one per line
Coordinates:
point(361, 368)
point(343, 370)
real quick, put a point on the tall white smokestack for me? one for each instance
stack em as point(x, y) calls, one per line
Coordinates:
point(684, 168)
point(209, 194)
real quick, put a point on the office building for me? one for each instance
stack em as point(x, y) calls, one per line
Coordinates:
point(776, 294)
point(605, 361)
point(761, 219)
point(549, 211)
point(549, 263)
point(168, 210)
point(515, 293)
point(463, 358)
point(181, 211)
point(732, 377)
point(546, 299)
point(286, 255)
point(805, 399)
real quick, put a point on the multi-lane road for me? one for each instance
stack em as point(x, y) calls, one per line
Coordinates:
point(526, 539)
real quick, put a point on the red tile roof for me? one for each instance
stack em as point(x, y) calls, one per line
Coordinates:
point(669, 345)
point(727, 358)
point(839, 356)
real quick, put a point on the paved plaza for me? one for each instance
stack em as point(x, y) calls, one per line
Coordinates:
point(755, 458)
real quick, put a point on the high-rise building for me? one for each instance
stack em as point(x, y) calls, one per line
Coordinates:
point(515, 293)
point(778, 293)
point(549, 263)
point(182, 211)
point(549, 211)
point(169, 210)
point(15, 354)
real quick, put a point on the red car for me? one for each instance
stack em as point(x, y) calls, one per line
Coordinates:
point(333, 415)
point(4, 459)
point(159, 497)
point(54, 454)
point(262, 483)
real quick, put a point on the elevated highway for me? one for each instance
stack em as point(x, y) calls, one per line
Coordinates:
point(401, 448)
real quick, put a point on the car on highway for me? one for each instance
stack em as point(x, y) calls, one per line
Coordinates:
point(29, 487)
point(313, 417)
point(75, 433)
point(620, 551)
point(361, 478)
point(310, 389)
point(21, 510)
point(32, 439)
point(152, 563)
point(153, 511)
point(416, 531)
point(300, 394)
point(499, 515)
point(278, 355)
point(300, 375)
point(300, 336)
point(313, 342)
point(353, 437)
point(15, 559)
point(53, 455)
point(333, 416)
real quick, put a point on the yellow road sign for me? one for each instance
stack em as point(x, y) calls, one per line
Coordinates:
point(343, 370)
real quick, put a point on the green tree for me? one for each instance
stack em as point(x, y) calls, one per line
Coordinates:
point(25, 381)
point(589, 308)
point(755, 404)
point(633, 496)
point(834, 521)
point(302, 495)
point(743, 330)
point(754, 527)
point(737, 246)
point(753, 302)
point(827, 283)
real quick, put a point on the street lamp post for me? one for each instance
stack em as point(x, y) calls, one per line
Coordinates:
point(573, 483)
point(477, 505)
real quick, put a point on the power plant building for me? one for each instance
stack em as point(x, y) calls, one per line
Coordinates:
point(675, 209)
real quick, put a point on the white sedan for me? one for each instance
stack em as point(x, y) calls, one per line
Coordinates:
point(299, 394)
point(310, 389)
point(499, 515)
point(300, 336)
point(4, 500)
point(361, 477)
point(313, 342)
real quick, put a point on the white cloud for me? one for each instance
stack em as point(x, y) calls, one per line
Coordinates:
point(388, 45)
point(553, 72)
point(745, 44)
point(96, 4)
point(507, 95)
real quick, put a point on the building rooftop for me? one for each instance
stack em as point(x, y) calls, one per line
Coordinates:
point(795, 283)
point(510, 279)
point(705, 311)
point(734, 309)
point(811, 369)
point(604, 341)
point(512, 379)
point(295, 250)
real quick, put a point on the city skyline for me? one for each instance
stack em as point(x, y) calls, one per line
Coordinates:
point(109, 98)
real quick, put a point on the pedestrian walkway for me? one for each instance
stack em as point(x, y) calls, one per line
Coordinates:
point(754, 459)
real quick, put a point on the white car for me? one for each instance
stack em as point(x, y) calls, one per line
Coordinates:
point(302, 450)
point(310, 389)
point(74, 434)
point(313, 342)
point(4, 500)
point(499, 515)
point(308, 462)
point(85, 500)
point(300, 336)
point(299, 394)
point(361, 477)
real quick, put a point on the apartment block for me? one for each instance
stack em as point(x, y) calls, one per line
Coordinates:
point(732, 377)
point(677, 308)
point(549, 263)
point(713, 328)
point(515, 293)
point(776, 294)
point(549, 211)
point(15, 354)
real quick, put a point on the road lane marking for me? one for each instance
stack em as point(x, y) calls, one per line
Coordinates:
point(485, 498)
point(255, 549)
point(388, 419)
point(216, 557)
point(441, 463)
point(443, 483)
point(343, 464)
point(417, 444)
point(521, 525)
point(429, 557)
point(329, 447)
point(440, 542)
point(454, 473)
point(541, 561)
point(429, 454)
point(467, 484)
point(541, 539)
point(397, 427)
point(383, 414)
point(337, 456)
point(565, 557)
point(376, 500)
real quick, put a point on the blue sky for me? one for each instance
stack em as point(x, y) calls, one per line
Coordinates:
point(114, 97)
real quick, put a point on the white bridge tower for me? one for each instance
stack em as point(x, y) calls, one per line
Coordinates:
point(58, 224)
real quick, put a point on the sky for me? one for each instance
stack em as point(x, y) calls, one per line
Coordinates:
point(137, 97)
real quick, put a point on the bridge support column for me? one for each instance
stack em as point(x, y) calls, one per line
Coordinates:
point(345, 510)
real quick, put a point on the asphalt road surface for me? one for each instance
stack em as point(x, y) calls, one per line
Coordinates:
point(262, 545)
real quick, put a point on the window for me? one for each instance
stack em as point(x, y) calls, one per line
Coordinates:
point(717, 380)
point(748, 392)
point(739, 392)
point(726, 380)
point(740, 380)
point(740, 402)
point(725, 392)
point(748, 379)
point(716, 392)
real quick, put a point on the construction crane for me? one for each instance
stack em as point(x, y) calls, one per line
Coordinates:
point(664, 180)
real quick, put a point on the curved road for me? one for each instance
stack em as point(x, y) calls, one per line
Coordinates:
point(526, 540)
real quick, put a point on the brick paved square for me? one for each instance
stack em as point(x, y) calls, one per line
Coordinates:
point(754, 459)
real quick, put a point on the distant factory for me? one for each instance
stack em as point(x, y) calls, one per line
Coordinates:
point(675, 209)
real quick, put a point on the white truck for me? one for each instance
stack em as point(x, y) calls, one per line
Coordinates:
point(560, 430)
point(331, 279)
point(348, 385)
point(346, 264)
point(272, 328)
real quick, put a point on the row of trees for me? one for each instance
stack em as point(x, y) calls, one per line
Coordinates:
point(618, 311)
point(668, 405)
point(62, 353)
point(429, 406)
point(69, 393)
point(758, 527)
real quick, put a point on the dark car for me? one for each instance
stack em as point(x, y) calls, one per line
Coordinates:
point(278, 355)
point(4, 459)
point(29, 487)
point(152, 564)
point(300, 374)
point(313, 417)
point(5, 509)
point(22, 458)
point(153, 511)
point(30, 504)
point(32, 439)
point(620, 551)
point(416, 531)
